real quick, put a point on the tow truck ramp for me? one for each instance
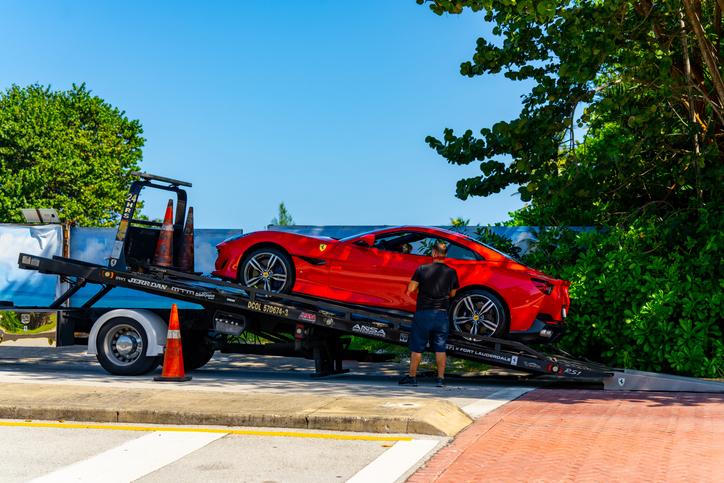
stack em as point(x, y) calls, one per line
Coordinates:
point(631, 380)
point(318, 324)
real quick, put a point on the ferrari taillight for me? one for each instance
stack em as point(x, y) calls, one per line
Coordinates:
point(542, 285)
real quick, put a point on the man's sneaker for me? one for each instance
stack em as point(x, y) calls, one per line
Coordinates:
point(408, 381)
point(440, 382)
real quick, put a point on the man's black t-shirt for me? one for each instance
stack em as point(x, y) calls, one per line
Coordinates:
point(436, 281)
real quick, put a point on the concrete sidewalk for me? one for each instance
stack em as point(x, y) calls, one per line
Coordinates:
point(251, 374)
point(415, 415)
point(66, 383)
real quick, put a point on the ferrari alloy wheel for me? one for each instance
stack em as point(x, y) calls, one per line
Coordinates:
point(479, 313)
point(267, 269)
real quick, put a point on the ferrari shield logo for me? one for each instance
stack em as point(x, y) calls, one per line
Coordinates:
point(322, 247)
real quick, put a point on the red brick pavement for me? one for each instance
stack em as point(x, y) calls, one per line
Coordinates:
point(569, 435)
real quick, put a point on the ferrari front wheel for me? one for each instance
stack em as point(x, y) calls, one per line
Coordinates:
point(267, 269)
point(480, 313)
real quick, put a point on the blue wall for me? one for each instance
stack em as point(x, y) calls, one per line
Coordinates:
point(26, 287)
point(94, 245)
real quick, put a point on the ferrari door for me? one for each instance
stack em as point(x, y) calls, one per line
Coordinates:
point(374, 275)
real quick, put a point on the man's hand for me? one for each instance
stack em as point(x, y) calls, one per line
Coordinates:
point(412, 287)
point(453, 292)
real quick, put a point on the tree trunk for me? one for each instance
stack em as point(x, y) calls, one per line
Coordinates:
point(705, 48)
point(717, 27)
point(692, 109)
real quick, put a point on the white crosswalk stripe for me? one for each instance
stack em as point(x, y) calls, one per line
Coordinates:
point(395, 462)
point(133, 459)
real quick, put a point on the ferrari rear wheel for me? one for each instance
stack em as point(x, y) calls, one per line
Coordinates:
point(479, 312)
point(267, 269)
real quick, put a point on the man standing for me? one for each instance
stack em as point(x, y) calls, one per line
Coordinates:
point(436, 283)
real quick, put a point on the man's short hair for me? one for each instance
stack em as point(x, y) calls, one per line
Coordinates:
point(440, 247)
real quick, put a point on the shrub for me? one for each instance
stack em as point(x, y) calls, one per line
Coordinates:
point(648, 296)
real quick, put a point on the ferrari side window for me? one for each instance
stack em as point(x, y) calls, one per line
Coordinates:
point(424, 247)
point(394, 242)
point(416, 243)
point(460, 253)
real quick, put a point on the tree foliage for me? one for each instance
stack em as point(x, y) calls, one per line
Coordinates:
point(68, 150)
point(284, 218)
point(647, 79)
point(623, 130)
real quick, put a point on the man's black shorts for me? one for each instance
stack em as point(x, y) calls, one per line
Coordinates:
point(429, 326)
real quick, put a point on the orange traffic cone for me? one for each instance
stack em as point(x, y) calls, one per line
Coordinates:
point(163, 256)
point(173, 359)
point(186, 260)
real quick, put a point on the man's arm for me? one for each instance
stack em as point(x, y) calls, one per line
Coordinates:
point(414, 283)
point(455, 284)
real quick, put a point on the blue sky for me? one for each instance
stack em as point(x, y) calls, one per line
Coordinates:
point(324, 105)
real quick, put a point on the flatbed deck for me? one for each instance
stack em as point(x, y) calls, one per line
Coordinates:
point(230, 302)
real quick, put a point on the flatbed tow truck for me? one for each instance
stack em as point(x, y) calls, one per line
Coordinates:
point(131, 341)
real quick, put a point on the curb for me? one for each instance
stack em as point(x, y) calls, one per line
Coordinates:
point(175, 406)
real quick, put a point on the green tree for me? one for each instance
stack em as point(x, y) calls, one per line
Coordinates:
point(459, 223)
point(623, 129)
point(642, 80)
point(284, 218)
point(68, 150)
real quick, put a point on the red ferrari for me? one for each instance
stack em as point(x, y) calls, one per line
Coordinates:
point(498, 296)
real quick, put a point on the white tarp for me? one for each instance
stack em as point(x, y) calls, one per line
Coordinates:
point(28, 287)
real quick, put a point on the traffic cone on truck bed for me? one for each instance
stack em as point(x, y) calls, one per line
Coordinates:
point(163, 256)
point(173, 358)
point(186, 260)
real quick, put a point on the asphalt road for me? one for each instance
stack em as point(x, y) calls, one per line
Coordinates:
point(64, 453)
point(122, 453)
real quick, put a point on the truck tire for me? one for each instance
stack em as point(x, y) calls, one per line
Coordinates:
point(197, 351)
point(121, 345)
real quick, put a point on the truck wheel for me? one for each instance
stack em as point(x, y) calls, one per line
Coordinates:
point(196, 350)
point(122, 344)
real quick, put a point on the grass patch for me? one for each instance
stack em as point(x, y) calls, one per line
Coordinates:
point(37, 322)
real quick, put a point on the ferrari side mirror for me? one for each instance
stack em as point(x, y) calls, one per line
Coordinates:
point(366, 241)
